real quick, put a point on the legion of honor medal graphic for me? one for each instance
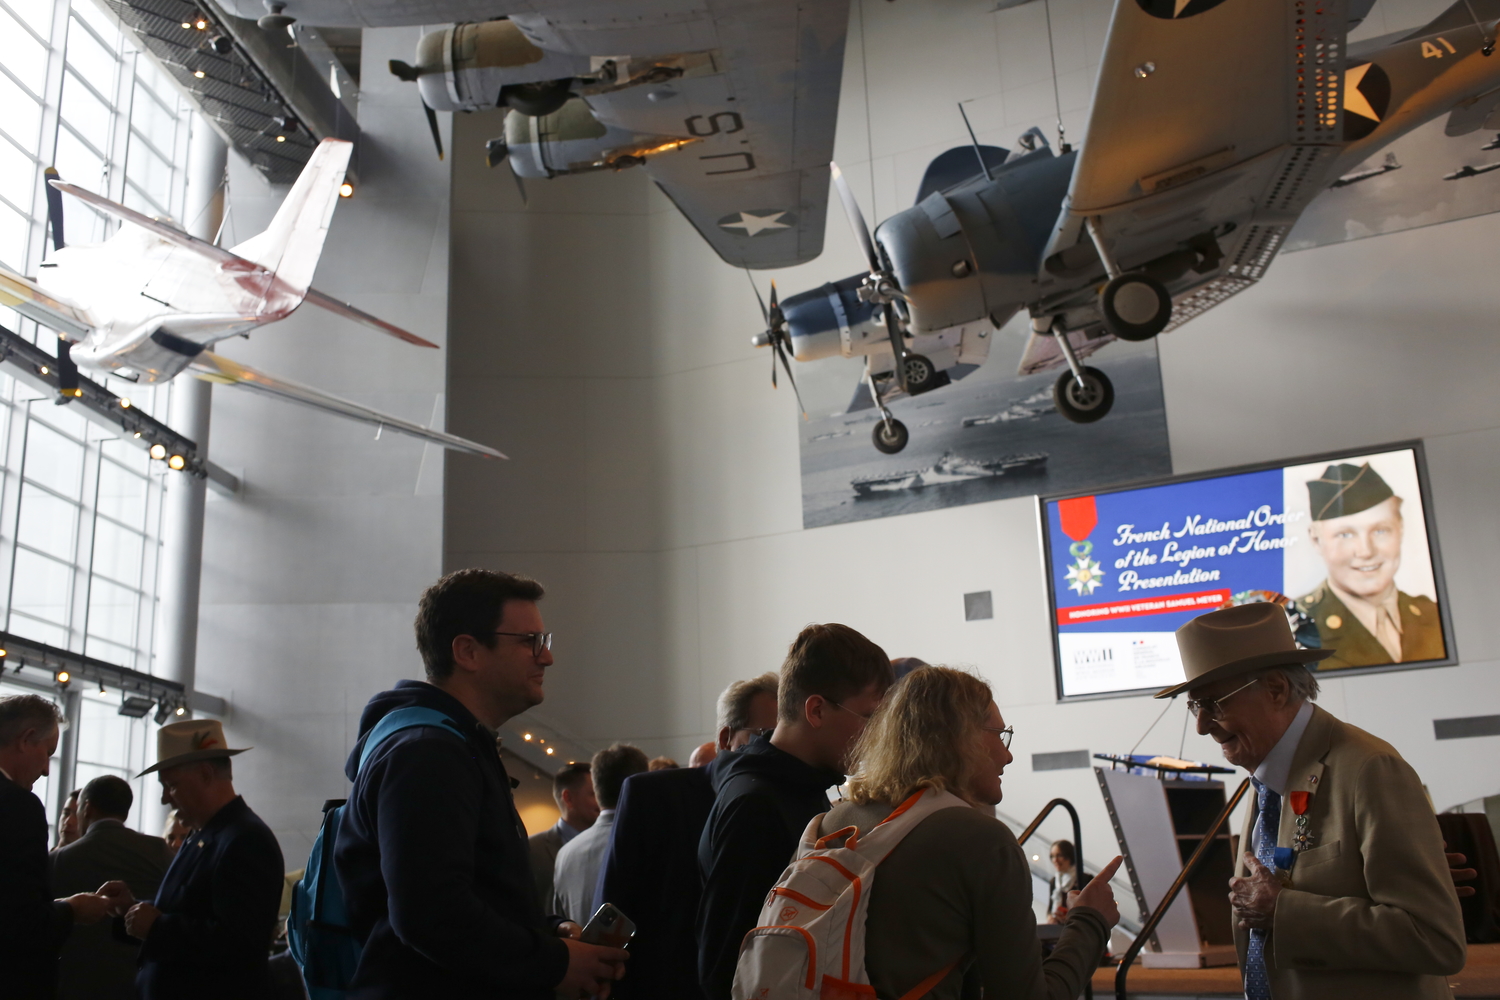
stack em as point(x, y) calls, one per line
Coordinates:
point(1079, 517)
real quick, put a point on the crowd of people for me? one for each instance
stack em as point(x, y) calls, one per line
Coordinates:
point(446, 895)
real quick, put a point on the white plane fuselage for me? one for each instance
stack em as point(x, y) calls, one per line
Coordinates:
point(154, 306)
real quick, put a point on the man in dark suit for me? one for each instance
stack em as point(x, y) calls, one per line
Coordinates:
point(96, 966)
point(651, 869)
point(1358, 529)
point(32, 923)
point(208, 931)
point(573, 790)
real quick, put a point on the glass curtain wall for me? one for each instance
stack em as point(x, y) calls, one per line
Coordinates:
point(80, 508)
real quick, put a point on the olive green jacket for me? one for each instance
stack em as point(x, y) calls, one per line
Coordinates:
point(1370, 911)
point(1354, 646)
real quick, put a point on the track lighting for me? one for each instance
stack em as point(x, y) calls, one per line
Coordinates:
point(158, 452)
point(177, 463)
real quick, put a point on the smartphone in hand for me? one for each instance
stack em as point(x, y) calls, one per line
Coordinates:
point(608, 926)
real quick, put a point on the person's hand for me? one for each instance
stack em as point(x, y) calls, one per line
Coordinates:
point(1098, 894)
point(1253, 896)
point(1460, 874)
point(88, 907)
point(592, 969)
point(119, 895)
point(569, 929)
point(138, 920)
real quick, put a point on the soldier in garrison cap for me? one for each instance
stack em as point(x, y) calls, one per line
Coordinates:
point(1357, 528)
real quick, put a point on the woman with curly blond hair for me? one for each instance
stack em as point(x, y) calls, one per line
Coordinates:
point(957, 890)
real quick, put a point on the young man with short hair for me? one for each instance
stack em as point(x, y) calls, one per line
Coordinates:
point(578, 808)
point(432, 854)
point(95, 964)
point(831, 682)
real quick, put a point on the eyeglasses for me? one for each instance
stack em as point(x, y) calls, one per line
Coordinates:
point(1006, 735)
point(858, 715)
point(539, 640)
point(1214, 706)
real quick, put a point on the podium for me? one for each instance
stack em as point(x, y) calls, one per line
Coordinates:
point(1159, 820)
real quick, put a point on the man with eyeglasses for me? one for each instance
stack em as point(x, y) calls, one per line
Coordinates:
point(432, 855)
point(832, 680)
point(1342, 889)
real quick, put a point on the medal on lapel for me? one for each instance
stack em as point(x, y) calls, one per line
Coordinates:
point(1303, 837)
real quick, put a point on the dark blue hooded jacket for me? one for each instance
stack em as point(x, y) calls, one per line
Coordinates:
point(434, 863)
point(764, 799)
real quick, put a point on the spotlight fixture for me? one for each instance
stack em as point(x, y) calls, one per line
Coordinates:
point(187, 25)
point(62, 677)
point(281, 138)
point(177, 463)
point(45, 370)
point(221, 45)
point(201, 24)
point(137, 435)
point(550, 751)
point(199, 74)
point(162, 711)
point(135, 707)
point(158, 452)
point(181, 710)
point(101, 688)
point(526, 737)
point(124, 403)
point(3, 654)
point(346, 190)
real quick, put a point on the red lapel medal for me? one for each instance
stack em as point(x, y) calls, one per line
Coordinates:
point(1299, 802)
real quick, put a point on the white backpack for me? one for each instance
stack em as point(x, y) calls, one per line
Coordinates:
point(810, 942)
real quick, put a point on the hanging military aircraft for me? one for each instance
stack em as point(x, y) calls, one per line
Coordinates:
point(146, 304)
point(1214, 124)
point(729, 105)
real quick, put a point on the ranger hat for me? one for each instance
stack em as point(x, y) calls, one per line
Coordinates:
point(1237, 640)
point(1346, 489)
point(188, 741)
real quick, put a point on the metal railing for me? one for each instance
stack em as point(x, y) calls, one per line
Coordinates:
point(1031, 828)
point(1171, 895)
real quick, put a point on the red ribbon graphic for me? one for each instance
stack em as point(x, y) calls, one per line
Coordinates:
point(1079, 517)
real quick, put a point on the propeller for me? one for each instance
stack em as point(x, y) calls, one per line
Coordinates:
point(407, 73)
point(879, 287)
point(67, 371)
point(777, 337)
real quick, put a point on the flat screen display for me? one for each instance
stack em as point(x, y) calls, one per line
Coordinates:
point(1344, 543)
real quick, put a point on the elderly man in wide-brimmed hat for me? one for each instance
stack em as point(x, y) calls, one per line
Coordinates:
point(1343, 889)
point(208, 931)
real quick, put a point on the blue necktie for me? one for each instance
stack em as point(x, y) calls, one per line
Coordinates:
point(1267, 826)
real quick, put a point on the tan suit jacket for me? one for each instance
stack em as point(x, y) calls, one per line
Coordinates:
point(1370, 912)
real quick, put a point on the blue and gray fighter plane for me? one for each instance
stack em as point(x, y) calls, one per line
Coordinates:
point(1214, 124)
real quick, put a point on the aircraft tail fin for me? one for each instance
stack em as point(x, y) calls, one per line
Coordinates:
point(293, 242)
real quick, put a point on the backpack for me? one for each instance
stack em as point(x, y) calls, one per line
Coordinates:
point(322, 942)
point(810, 942)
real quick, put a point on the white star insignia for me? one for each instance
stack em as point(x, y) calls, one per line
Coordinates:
point(754, 224)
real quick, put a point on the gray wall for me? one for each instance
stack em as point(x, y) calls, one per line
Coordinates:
point(311, 578)
point(654, 482)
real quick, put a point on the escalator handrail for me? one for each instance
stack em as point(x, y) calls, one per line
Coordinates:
point(1026, 834)
point(1171, 895)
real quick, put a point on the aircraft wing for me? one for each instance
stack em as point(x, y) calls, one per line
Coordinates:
point(758, 115)
point(217, 368)
point(30, 300)
point(1220, 116)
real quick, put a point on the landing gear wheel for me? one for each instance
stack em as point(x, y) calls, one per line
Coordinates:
point(890, 439)
point(537, 99)
point(1135, 306)
point(1082, 404)
point(920, 374)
